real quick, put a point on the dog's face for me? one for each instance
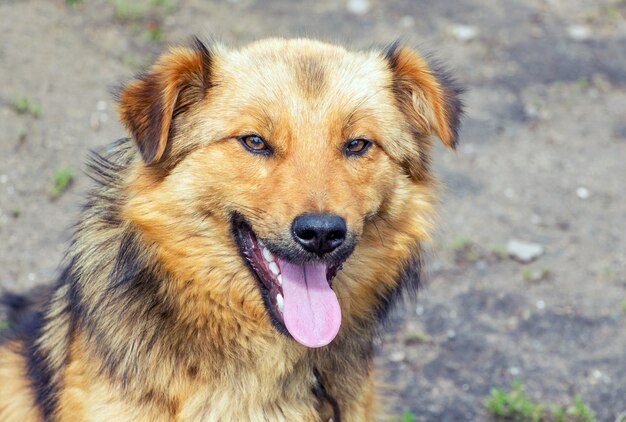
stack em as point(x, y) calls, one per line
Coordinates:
point(265, 170)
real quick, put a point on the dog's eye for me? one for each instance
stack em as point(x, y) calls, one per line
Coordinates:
point(255, 144)
point(357, 146)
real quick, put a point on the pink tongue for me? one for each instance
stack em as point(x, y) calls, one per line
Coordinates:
point(312, 313)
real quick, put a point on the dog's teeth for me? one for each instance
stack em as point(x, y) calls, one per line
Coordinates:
point(267, 255)
point(279, 277)
point(274, 268)
point(280, 302)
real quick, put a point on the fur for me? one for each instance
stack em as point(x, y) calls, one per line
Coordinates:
point(156, 316)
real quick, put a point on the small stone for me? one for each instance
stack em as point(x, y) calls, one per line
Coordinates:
point(451, 334)
point(524, 251)
point(407, 21)
point(101, 105)
point(465, 387)
point(579, 32)
point(419, 310)
point(531, 112)
point(32, 277)
point(433, 409)
point(513, 370)
point(397, 356)
point(358, 7)
point(541, 305)
point(600, 376)
point(4, 178)
point(582, 193)
point(464, 33)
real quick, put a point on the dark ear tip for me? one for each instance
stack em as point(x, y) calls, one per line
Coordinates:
point(199, 45)
point(115, 92)
point(390, 52)
point(452, 98)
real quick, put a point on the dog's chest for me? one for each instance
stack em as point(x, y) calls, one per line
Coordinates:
point(226, 404)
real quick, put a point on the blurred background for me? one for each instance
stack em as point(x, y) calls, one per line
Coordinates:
point(523, 310)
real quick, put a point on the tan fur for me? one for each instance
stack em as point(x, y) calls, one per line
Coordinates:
point(16, 402)
point(198, 344)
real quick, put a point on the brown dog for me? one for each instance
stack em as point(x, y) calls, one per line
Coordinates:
point(238, 254)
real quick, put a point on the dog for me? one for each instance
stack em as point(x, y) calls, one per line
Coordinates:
point(241, 248)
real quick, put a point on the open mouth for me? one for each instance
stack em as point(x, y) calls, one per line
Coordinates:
point(297, 295)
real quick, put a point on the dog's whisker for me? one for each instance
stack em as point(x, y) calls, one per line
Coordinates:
point(382, 242)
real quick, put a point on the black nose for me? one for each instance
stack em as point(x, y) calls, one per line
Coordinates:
point(319, 233)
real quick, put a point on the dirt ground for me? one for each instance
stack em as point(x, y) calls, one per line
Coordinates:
point(542, 160)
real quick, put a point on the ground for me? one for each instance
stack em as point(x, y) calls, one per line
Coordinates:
point(542, 160)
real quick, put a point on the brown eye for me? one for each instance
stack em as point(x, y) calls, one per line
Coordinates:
point(255, 144)
point(357, 146)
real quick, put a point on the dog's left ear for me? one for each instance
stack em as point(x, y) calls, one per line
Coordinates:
point(148, 104)
point(427, 95)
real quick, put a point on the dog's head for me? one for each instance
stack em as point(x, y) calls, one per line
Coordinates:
point(268, 169)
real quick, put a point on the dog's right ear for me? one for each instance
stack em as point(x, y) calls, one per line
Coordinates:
point(148, 104)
